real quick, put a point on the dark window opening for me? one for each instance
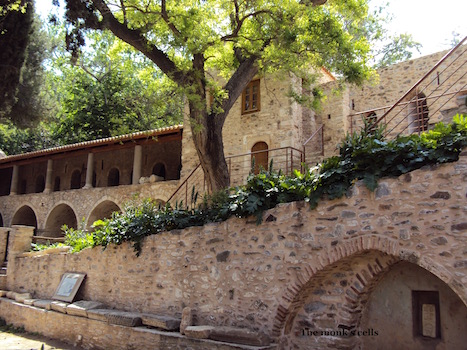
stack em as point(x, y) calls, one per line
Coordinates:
point(425, 311)
point(23, 187)
point(57, 184)
point(114, 177)
point(40, 184)
point(75, 180)
point(159, 170)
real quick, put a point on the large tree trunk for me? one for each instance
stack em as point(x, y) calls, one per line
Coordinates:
point(207, 137)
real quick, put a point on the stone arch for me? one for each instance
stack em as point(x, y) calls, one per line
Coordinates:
point(61, 214)
point(113, 178)
point(26, 216)
point(398, 299)
point(102, 210)
point(386, 251)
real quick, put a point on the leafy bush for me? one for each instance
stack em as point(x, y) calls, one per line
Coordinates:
point(362, 157)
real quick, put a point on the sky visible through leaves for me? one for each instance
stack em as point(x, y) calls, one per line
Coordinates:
point(430, 22)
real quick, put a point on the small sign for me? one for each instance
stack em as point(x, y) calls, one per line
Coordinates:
point(429, 320)
point(69, 286)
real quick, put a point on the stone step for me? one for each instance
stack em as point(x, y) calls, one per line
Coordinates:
point(81, 308)
point(229, 335)
point(59, 306)
point(163, 322)
point(121, 318)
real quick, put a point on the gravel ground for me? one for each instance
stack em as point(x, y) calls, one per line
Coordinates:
point(27, 341)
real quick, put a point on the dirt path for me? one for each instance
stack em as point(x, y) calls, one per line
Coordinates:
point(27, 341)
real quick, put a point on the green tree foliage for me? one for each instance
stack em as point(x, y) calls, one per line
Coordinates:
point(31, 100)
point(238, 39)
point(387, 48)
point(15, 140)
point(16, 17)
point(109, 90)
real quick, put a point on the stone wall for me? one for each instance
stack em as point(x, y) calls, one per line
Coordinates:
point(340, 112)
point(82, 202)
point(278, 123)
point(299, 270)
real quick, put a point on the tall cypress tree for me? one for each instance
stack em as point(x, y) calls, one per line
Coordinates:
point(16, 18)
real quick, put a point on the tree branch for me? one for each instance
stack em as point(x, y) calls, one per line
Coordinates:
point(135, 38)
point(166, 18)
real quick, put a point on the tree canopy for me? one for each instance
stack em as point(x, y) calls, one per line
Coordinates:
point(16, 18)
point(109, 90)
point(187, 39)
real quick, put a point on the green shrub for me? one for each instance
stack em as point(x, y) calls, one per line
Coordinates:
point(361, 157)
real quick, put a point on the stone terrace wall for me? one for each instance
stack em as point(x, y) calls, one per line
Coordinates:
point(82, 201)
point(240, 274)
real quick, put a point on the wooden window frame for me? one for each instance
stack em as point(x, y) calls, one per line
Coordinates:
point(247, 98)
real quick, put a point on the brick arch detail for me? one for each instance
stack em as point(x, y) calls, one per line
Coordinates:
point(291, 301)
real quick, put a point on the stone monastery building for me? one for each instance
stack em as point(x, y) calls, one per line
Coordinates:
point(391, 265)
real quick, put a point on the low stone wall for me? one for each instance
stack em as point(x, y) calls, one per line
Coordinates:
point(94, 334)
point(261, 277)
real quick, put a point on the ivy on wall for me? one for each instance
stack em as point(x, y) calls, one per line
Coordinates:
point(361, 157)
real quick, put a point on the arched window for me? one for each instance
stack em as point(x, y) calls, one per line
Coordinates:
point(40, 184)
point(75, 180)
point(418, 114)
point(159, 170)
point(259, 156)
point(113, 179)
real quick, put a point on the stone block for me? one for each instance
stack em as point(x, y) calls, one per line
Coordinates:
point(199, 332)
point(21, 297)
point(80, 308)
point(123, 318)
point(239, 336)
point(29, 302)
point(187, 319)
point(43, 304)
point(3, 293)
point(164, 322)
point(59, 306)
point(98, 314)
point(11, 295)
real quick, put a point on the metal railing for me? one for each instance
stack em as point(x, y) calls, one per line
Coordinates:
point(239, 166)
point(436, 97)
point(313, 147)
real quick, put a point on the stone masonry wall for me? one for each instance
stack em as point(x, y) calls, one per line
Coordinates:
point(82, 201)
point(260, 277)
point(391, 84)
